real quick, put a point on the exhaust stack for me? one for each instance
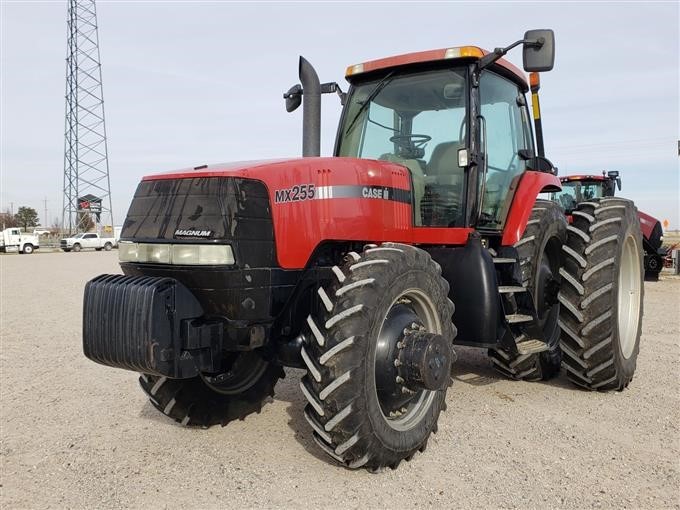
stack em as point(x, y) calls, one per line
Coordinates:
point(312, 89)
point(311, 110)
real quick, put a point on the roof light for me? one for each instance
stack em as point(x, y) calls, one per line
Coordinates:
point(463, 51)
point(355, 69)
point(534, 82)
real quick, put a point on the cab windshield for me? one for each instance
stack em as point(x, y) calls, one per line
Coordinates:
point(575, 192)
point(419, 121)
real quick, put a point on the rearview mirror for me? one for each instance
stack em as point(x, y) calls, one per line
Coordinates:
point(541, 164)
point(539, 50)
point(293, 98)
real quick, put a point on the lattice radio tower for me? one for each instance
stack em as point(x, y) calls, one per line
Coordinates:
point(87, 188)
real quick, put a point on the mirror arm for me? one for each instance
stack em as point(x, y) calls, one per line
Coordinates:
point(330, 87)
point(498, 53)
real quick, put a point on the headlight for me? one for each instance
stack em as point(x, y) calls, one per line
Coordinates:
point(179, 254)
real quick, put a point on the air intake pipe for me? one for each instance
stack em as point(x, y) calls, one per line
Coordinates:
point(311, 110)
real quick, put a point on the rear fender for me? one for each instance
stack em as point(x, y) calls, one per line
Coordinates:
point(530, 185)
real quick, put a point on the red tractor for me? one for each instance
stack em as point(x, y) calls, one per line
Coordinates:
point(580, 188)
point(365, 269)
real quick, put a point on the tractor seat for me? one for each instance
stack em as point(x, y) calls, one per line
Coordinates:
point(443, 166)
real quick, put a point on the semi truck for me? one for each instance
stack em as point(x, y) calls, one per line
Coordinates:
point(13, 240)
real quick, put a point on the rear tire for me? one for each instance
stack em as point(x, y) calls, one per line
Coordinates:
point(539, 249)
point(107, 247)
point(602, 294)
point(356, 420)
point(204, 402)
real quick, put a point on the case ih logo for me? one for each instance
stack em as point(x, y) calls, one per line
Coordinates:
point(192, 233)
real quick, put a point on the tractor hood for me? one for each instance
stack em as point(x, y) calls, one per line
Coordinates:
point(309, 200)
point(274, 169)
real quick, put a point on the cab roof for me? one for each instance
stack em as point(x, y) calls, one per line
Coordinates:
point(442, 54)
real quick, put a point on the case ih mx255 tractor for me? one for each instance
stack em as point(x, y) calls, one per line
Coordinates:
point(581, 188)
point(365, 269)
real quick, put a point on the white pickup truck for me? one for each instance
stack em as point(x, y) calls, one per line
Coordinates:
point(87, 240)
point(12, 240)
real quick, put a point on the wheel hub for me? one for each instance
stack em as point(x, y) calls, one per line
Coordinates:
point(240, 371)
point(424, 360)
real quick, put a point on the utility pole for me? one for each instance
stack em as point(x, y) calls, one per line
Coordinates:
point(11, 206)
point(45, 221)
point(87, 187)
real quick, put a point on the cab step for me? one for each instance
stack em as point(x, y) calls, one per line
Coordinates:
point(509, 289)
point(518, 317)
point(503, 260)
point(531, 346)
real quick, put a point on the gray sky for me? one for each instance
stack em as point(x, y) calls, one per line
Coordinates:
point(188, 83)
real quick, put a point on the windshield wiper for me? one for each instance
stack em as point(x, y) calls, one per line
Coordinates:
point(376, 90)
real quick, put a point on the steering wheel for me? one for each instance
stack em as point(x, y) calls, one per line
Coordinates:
point(409, 142)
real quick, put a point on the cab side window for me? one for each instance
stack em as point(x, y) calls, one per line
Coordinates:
point(507, 132)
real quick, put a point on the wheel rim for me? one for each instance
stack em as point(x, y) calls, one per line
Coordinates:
point(629, 296)
point(417, 406)
point(241, 371)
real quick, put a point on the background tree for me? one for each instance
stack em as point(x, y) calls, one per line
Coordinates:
point(56, 226)
point(27, 217)
point(7, 220)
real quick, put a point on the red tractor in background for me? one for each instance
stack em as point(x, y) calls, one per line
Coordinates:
point(581, 188)
point(365, 269)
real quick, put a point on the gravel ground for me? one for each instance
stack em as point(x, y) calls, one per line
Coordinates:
point(79, 435)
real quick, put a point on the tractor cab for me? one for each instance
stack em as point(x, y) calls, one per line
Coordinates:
point(581, 188)
point(419, 117)
point(456, 118)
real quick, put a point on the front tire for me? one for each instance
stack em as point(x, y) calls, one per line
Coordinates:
point(540, 258)
point(602, 294)
point(360, 408)
point(206, 401)
point(76, 248)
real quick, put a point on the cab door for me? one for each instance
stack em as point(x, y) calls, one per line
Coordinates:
point(507, 129)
